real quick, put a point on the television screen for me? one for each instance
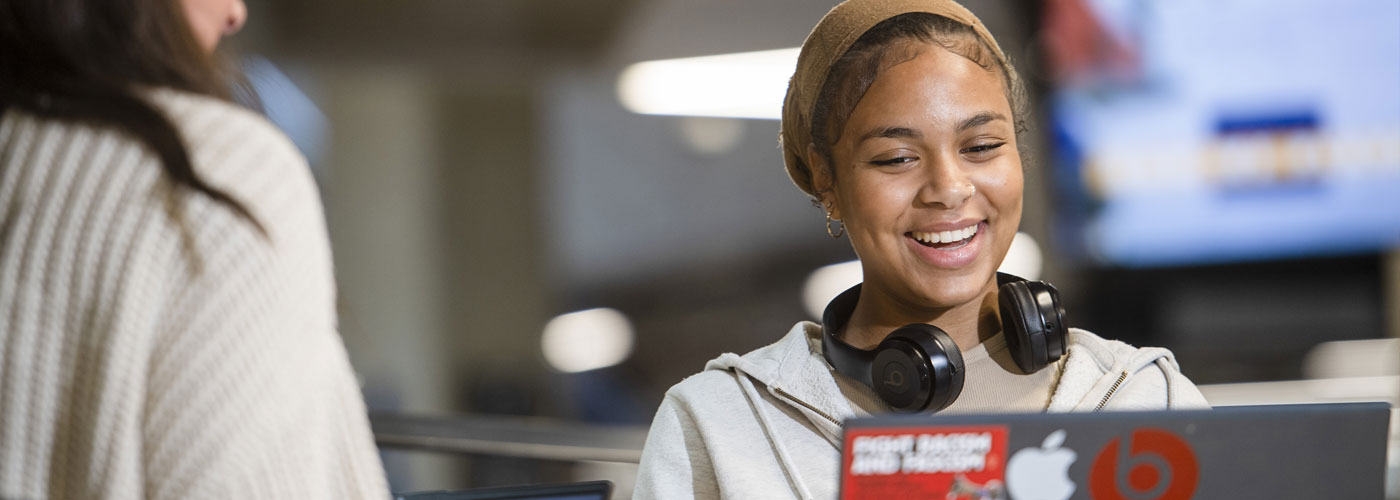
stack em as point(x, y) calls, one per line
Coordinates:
point(1197, 131)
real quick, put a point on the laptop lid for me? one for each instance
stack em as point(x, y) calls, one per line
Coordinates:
point(591, 490)
point(1277, 451)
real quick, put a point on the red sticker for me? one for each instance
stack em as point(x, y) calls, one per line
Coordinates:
point(1155, 464)
point(952, 462)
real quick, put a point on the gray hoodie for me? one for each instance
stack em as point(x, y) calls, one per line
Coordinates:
point(767, 425)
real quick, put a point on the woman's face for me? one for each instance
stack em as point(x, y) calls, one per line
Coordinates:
point(928, 180)
point(211, 20)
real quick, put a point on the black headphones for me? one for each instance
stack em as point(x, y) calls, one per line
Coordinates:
point(919, 368)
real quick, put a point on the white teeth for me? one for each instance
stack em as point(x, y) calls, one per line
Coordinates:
point(946, 236)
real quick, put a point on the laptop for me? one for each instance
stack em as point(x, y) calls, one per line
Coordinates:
point(591, 490)
point(1274, 452)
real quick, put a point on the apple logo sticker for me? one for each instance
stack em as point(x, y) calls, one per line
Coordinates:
point(1041, 473)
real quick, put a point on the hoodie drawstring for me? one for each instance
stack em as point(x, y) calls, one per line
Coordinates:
point(1167, 372)
point(756, 401)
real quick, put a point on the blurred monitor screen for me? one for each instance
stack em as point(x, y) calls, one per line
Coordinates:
point(1197, 131)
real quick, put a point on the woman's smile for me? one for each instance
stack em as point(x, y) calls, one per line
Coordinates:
point(949, 249)
point(934, 237)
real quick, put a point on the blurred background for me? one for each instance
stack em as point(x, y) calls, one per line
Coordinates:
point(535, 235)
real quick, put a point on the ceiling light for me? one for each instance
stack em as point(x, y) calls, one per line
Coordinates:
point(587, 340)
point(740, 85)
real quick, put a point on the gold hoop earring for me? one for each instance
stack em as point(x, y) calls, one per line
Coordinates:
point(840, 226)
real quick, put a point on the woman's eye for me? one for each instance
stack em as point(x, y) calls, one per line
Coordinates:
point(983, 148)
point(893, 161)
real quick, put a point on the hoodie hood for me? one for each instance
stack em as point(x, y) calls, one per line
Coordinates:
point(794, 371)
point(1098, 372)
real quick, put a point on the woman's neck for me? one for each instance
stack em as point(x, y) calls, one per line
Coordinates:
point(876, 315)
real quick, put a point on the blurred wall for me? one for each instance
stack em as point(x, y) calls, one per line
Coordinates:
point(483, 177)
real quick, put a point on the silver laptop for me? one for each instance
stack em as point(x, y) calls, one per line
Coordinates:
point(1267, 452)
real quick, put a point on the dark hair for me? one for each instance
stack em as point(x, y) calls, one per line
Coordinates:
point(853, 74)
point(82, 60)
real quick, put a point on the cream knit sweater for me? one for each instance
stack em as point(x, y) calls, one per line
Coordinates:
point(152, 343)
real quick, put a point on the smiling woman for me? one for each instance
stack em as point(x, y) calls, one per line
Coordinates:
point(902, 123)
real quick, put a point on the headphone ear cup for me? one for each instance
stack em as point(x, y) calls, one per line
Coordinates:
point(1052, 313)
point(1024, 329)
point(918, 368)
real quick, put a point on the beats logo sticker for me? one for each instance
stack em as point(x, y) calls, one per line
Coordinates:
point(1153, 465)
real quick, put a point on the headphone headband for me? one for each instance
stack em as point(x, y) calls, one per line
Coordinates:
point(846, 358)
point(834, 318)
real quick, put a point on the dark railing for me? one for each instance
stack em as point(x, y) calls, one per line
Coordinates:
point(510, 436)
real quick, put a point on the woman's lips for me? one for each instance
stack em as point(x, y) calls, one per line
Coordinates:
point(946, 236)
point(948, 249)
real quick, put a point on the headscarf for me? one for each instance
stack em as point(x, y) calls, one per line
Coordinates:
point(829, 40)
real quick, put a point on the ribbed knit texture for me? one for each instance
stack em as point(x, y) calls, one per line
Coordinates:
point(153, 344)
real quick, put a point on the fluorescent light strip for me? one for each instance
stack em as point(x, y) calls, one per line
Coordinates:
point(740, 85)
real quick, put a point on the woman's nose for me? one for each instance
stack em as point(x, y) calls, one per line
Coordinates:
point(237, 15)
point(945, 184)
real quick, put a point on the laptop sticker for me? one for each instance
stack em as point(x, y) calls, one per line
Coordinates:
point(1154, 464)
point(946, 462)
point(1042, 473)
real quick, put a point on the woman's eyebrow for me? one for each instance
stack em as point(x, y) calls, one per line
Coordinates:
point(980, 119)
point(890, 133)
point(977, 120)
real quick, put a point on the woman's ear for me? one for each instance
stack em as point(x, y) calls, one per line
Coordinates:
point(823, 181)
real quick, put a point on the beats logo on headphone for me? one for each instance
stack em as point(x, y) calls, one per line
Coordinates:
point(919, 368)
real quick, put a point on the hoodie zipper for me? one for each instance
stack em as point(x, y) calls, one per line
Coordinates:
point(805, 405)
point(1109, 394)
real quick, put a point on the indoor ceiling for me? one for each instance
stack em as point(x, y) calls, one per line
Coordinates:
point(434, 28)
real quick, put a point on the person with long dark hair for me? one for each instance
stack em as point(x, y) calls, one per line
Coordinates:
point(167, 302)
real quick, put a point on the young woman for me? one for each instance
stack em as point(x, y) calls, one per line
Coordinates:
point(901, 121)
point(167, 311)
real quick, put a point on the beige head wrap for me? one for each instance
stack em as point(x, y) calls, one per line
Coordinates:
point(828, 42)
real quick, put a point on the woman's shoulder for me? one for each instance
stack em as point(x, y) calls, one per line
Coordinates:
point(197, 116)
point(766, 365)
point(704, 395)
point(1134, 377)
point(241, 153)
point(227, 141)
point(110, 175)
point(1114, 355)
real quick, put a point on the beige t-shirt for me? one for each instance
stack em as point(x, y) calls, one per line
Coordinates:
point(994, 384)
